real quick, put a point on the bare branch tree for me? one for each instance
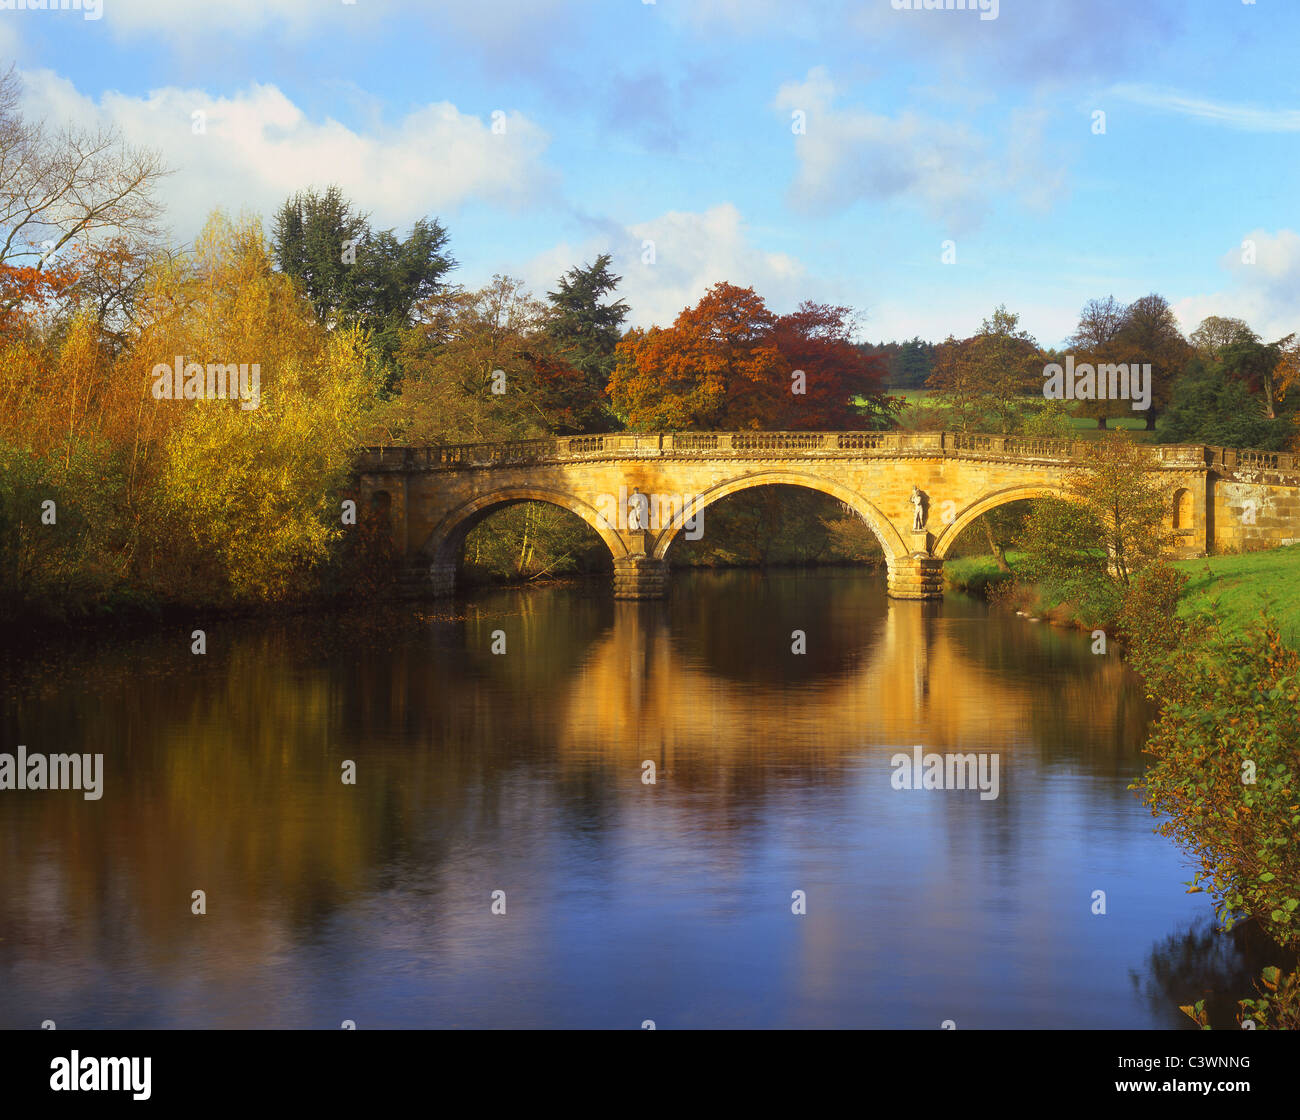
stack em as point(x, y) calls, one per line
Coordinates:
point(69, 185)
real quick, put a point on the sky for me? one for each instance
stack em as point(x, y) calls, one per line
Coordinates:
point(921, 167)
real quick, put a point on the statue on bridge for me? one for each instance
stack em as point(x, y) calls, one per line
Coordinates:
point(918, 507)
point(638, 511)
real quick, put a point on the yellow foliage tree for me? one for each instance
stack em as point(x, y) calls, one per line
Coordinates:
point(247, 497)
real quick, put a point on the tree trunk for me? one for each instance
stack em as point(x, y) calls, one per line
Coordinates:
point(523, 548)
point(995, 547)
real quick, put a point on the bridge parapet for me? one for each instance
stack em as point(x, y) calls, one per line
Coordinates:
point(1233, 458)
point(785, 445)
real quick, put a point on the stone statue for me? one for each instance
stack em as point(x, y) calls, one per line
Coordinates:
point(918, 506)
point(637, 511)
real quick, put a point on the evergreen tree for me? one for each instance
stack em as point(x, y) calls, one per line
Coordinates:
point(912, 365)
point(1210, 405)
point(354, 275)
point(584, 330)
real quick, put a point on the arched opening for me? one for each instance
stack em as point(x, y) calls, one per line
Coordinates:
point(983, 553)
point(1182, 509)
point(774, 526)
point(522, 535)
point(963, 519)
point(526, 541)
point(693, 513)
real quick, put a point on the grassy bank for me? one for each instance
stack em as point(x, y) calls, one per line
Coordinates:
point(1241, 587)
point(980, 575)
point(975, 575)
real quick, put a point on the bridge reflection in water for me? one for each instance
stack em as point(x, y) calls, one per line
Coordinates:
point(522, 771)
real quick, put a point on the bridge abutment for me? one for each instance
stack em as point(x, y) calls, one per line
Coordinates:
point(917, 576)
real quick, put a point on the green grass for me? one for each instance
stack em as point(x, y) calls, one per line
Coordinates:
point(1244, 586)
point(1084, 427)
point(974, 573)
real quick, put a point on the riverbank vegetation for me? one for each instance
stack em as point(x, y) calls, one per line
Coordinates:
point(1242, 588)
point(1226, 766)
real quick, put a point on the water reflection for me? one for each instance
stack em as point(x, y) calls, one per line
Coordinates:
point(522, 772)
point(1203, 962)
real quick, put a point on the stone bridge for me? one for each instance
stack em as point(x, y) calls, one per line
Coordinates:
point(638, 491)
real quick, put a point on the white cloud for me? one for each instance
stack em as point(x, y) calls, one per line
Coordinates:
point(514, 32)
point(850, 155)
point(692, 252)
point(197, 19)
point(258, 147)
point(1265, 294)
point(1246, 118)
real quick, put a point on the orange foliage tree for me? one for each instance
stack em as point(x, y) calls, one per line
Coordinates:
point(26, 292)
point(729, 362)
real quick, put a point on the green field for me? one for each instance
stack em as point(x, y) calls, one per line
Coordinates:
point(1085, 426)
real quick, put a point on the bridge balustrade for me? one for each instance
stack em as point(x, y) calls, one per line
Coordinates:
point(694, 441)
point(814, 444)
point(778, 441)
point(861, 441)
point(1264, 460)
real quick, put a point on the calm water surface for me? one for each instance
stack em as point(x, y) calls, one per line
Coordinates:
point(624, 901)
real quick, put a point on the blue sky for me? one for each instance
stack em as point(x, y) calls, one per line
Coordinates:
point(672, 122)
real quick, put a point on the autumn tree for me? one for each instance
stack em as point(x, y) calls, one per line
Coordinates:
point(1150, 335)
point(244, 501)
point(840, 386)
point(109, 281)
point(1093, 341)
point(27, 294)
point(477, 367)
point(1217, 331)
point(1286, 375)
point(1110, 524)
point(729, 362)
point(991, 380)
point(717, 366)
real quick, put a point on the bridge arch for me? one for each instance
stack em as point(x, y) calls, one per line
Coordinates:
point(444, 543)
point(890, 540)
point(948, 537)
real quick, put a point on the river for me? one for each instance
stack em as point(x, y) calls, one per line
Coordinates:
point(503, 858)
